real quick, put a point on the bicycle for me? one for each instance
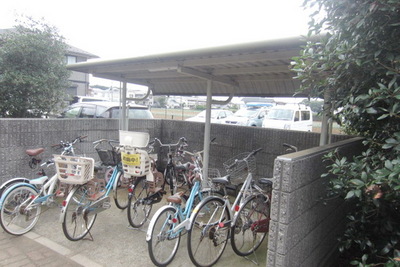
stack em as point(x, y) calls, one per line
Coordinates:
point(251, 223)
point(214, 218)
point(90, 196)
point(21, 199)
point(35, 159)
point(171, 221)
point(145, 191)
point(174, 172)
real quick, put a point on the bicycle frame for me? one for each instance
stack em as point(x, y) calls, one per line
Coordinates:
point(102, 203)
point(42, 195)
point(245, 191)
point(183, 214)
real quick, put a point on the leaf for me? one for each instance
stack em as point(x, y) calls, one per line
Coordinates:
point(383, 116)
point(350, 194)
point(357, 182)
point(371, 110)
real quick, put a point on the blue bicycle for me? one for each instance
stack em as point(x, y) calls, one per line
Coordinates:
point(88, 199)
point(170, 222)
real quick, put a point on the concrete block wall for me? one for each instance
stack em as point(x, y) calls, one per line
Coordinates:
point(304, 226)
point(17, 135)
point(232, 140)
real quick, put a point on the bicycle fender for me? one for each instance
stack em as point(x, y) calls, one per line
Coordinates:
point(13, 181)
point(115, 185)
point(196, 209)
point(62, 214)
point(12, 188)
point(154, 218)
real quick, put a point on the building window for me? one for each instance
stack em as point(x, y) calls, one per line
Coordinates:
point(71, 59)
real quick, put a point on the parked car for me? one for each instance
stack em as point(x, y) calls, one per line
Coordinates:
point(217, 116)
point(79, 99)
point(247, 117)
point(289, 117)
point(105, 110)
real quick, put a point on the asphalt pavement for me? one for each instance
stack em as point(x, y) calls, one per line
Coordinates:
point(114, 243)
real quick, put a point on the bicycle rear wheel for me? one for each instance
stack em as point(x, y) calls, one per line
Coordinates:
point(162, 242)
point(251, 225)
point(9, 183)
point(78, 218)
point(138, 208)
point(209, 232)
point(18, 214)
point(121, 191)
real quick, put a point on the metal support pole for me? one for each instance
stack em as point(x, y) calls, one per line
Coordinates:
point(207, 133)
point(325, 118)
point(123, 116)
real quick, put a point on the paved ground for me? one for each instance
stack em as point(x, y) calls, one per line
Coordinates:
point(115, 244)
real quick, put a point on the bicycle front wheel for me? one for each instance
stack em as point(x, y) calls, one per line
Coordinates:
point(251, 225)
point(162, 242)
point(78, 217)
point(209, 232)
point(19, 214)
point(121, 191)
point(138, 207)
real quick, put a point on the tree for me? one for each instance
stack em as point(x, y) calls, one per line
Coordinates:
point(356, 62)
point(33, 74)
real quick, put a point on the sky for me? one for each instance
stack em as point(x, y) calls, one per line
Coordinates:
point(130, 28)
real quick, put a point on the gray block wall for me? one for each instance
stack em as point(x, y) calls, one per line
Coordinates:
point(304, 224)
point(17, 135)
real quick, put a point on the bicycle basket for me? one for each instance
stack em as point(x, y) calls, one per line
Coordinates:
point(109, 157)
point(239, 170)
point(74, 170)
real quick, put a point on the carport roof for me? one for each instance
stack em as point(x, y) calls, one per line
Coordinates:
point(249, 69)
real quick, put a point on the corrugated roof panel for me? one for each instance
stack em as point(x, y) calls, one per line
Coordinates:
point(258, 69)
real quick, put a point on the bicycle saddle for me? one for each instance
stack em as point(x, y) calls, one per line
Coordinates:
point(222, 180)
point(34, 152)
point(265, 181)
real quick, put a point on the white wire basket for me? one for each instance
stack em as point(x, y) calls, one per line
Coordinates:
point(74, 170)
point(240, 169)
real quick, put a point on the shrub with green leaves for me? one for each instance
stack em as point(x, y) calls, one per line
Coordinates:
point(33, 74)
point(355, 59)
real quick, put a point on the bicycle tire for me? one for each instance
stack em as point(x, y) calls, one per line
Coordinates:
point(4, 186)
point(248, 231)
point(138, 209)
point(206, 192)
point(78, 220)
point(14, 217)
point(209, 231)
point(120, 192)
point(162, 242)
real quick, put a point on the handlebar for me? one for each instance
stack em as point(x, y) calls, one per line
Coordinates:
point(292, 147)
point(181, 140)
point(66, 144)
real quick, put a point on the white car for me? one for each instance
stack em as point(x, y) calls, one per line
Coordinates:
point(217, 116)
point(247, 117)
point(289, 117)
